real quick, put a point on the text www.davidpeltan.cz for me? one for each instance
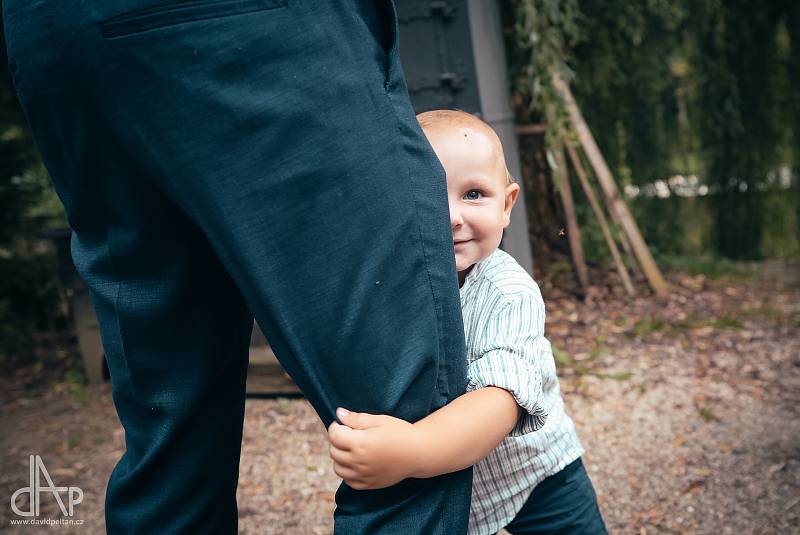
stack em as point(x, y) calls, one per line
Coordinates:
point(46, 522)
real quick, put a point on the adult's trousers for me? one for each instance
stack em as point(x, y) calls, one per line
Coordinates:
point(224, 159)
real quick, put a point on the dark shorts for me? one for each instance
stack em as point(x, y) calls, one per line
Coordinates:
point(563, 503)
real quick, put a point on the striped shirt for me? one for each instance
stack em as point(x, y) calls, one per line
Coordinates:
point(504, 325)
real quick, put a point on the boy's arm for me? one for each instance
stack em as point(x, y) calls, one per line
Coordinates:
point(375, 451)
point(463, 432)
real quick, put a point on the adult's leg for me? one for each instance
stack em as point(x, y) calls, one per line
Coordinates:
point(564, 503)
point(218, 156)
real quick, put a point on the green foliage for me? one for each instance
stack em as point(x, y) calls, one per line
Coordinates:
point(557, 267)
point(712, 267)
point(30, 206)
point(679, 88)
point(647, 325)
point(29, 299)
point(630, 77)
point(594, 244)
point(545, 30)
point(781, 236)
point(29, 296)
point(677, 226)
point(28, 203)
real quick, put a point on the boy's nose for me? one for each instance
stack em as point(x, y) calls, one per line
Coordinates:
point(455, 218)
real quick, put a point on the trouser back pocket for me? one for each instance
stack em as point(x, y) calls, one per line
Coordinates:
point(160, 16)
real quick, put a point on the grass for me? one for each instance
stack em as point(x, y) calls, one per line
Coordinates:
point(73, 441)
point(616, 376)
point(562, 358)
point(597, 351)
point(707, 414)
point(650, 324)
point(565, 360)
point(711, 266)
point(647, 325)
point(793, 320)
point(557, 267)
point(724, 323)
point(76, 385)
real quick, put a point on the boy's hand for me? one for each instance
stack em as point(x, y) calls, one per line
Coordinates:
point(372, 451)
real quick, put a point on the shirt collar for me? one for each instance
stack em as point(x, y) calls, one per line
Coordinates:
point(477, 271)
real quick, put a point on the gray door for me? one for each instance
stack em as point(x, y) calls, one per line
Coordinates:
point(453, 57)
point(436, 52)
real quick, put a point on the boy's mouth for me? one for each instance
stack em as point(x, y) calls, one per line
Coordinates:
point(458, 242)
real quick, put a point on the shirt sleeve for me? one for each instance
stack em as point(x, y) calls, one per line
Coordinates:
point(509, 356)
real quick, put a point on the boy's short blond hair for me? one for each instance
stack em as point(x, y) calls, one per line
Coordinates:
point(441, 119)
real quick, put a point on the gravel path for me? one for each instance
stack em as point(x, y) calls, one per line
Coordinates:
point(688, 409)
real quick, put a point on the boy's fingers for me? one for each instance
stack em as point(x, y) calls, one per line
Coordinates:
point(340, 436)
point(340, 457)
point(357, 420)
point(348, 474)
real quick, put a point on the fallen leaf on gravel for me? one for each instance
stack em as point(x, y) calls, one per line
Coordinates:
point(692, 283)
point(695, 486)
point(280, 501)
point(327, 496)
point(64, 472)
point(679, 441)
point(726, 448)
point(649, 516)
point(776, 467)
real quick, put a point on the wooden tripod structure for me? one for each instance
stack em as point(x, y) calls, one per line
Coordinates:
point(609, 187)
point(631, 237)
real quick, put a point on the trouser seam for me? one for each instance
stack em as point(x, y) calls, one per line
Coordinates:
point(437, 309)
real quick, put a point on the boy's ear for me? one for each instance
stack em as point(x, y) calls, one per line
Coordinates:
point(512, 192)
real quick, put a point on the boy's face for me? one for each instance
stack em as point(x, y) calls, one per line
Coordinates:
point(479, 196)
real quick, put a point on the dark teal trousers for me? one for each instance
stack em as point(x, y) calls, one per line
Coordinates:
point(220, 159)
point(563, 504)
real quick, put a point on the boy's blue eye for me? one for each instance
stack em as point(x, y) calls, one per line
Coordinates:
point(473, 195)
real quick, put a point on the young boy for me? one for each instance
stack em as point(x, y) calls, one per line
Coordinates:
point(511, 422)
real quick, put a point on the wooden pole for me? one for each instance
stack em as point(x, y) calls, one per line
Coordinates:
point(598, 212)
point(623, 238)
point(573, 231)
point(541, 128)
point(537, 128)
point(609, 187)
